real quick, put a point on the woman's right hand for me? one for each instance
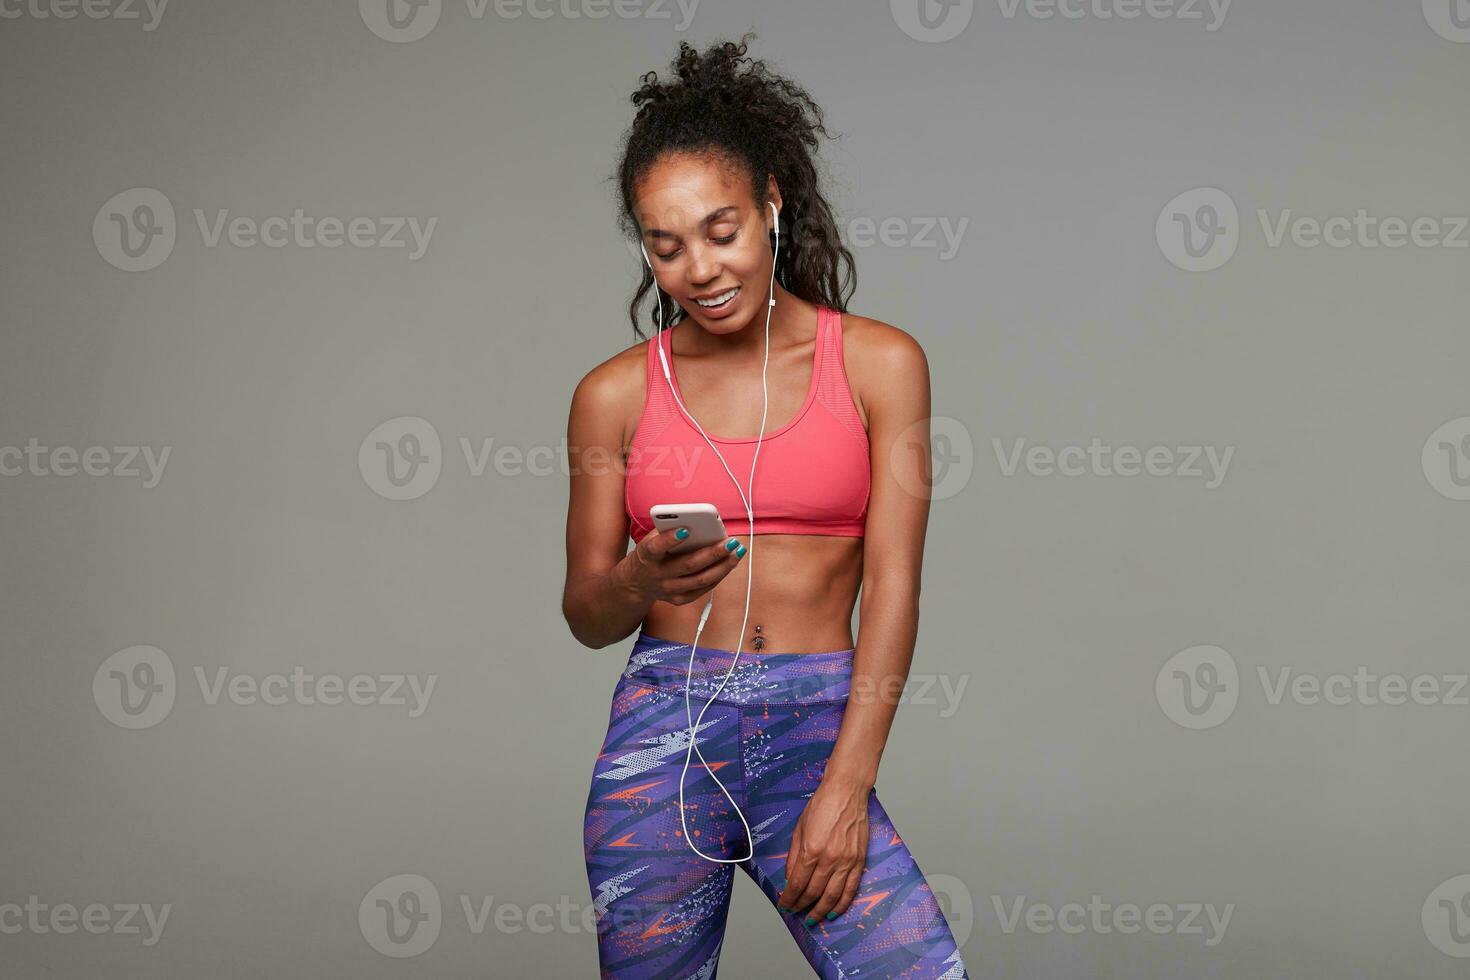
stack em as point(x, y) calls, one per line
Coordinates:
point(680, 579)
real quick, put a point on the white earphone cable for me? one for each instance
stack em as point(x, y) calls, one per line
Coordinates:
point(750, 569)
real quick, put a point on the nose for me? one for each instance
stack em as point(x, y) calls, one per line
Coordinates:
point(703, 266)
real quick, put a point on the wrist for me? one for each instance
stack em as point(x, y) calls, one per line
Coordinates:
point(854, 779)
point(622, 576)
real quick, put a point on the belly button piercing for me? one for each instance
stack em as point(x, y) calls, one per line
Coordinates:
point(759, 640)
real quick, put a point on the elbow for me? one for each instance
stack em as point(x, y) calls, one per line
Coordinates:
point(569, 612)
point(576, 623)
point(583, 638)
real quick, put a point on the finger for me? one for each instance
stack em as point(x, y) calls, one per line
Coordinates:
point(836, 885)
point(798, 869)
point(701, 558)
point(854, 882)
point(702, 581)
point(816, 884)
point(660, 543)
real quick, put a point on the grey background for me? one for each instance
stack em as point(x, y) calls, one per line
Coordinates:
point(1059, 599)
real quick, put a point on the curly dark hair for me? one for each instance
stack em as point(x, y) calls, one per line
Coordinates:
point(732, 109)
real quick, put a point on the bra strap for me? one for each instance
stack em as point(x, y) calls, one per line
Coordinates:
point(833, 389)
point(658, 402)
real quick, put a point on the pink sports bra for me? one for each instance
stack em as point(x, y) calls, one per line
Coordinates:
point(812, 476)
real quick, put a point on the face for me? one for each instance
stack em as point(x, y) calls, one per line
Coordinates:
point(706, 237)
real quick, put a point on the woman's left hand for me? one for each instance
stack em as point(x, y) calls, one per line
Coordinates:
point(829, 847)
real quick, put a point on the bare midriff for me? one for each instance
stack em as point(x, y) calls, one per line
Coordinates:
point(804, 588)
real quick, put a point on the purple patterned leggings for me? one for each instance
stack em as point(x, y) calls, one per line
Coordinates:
point(660, 907)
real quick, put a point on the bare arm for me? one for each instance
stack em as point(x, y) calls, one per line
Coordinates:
point(609, 589)
point(824, 864)
point(893, 556)
point(597, 601)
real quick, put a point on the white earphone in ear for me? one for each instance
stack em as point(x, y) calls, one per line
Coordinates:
point(750, 558)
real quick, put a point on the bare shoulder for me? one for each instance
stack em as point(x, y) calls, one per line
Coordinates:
point(873, 344)
point(880, 358)
point(613, 392)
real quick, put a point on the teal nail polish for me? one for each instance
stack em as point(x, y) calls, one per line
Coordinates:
point(831, 916)
point(732, 544)
point(810, 921)
point(741, 552)
point(682, 533)
point(782, 907)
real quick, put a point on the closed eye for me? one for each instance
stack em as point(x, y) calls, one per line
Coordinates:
point(728, 239)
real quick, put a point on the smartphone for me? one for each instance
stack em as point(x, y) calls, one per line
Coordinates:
point(702, 520)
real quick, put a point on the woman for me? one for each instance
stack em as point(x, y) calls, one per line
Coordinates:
point(716, 165)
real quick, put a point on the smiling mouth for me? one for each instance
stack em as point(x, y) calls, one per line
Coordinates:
point(719, 301)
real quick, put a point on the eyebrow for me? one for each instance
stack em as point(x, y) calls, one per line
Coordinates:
point(710, 218)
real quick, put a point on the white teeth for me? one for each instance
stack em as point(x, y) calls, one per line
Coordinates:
point(720, 300)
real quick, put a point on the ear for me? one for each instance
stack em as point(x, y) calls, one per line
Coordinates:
point(773, 196)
